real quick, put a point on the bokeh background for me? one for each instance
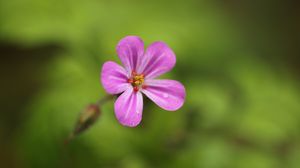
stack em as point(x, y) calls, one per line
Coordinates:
point(239, 62)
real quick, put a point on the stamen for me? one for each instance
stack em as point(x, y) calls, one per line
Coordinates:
point(135, 88)
point(130, 81)
point(133, 73)
point(136, 80)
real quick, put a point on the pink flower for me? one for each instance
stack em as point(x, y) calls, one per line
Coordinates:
point(138, 76)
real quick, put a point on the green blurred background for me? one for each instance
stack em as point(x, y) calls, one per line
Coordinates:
point(239, 62)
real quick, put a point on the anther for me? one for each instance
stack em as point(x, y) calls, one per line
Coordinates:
point(130, 81)
point(136, 80)
point(133, 73)
point(136, 88)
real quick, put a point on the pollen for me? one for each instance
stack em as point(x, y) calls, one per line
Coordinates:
point(136, 80)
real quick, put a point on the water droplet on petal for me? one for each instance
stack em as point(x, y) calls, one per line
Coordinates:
point(165, 95)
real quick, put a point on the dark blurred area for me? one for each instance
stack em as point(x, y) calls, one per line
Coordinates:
point(239, 62)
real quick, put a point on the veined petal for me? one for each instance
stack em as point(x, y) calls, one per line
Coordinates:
point(114, 78)
point(129, 108)
point(130, 51)
point(168, 94)
point(158, 59)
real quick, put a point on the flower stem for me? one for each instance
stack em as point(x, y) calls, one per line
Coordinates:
point(104, 99)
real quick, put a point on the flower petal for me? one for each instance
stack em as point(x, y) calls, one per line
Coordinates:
point(158, 59)
point(168, 94)
point(130, 51)
point(114, 78)
point(129, 108)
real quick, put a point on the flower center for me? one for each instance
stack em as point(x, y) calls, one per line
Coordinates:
point(136, 80)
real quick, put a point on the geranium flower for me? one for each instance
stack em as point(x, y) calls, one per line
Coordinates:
point(138, 76)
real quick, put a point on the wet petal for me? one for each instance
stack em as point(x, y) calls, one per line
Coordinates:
point(130, 51)
point(158, 59)
point(114, 78)
point(129, 107)
point(168, 94)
